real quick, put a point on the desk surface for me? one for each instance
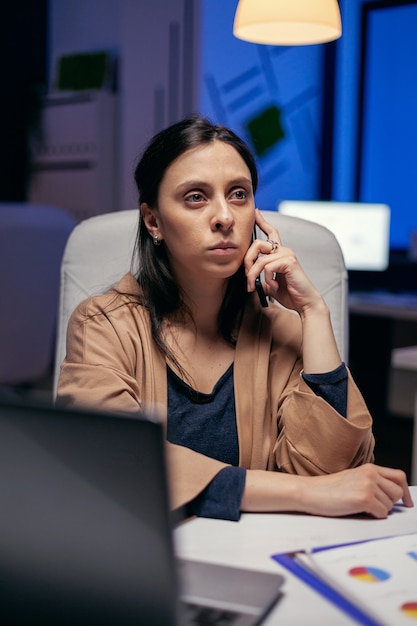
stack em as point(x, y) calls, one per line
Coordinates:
point(383, 304)
point(251, 542)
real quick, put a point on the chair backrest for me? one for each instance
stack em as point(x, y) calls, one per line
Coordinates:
point(32, 242)
point(99, 253)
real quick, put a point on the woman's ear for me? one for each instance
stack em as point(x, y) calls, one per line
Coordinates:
point(149, 218)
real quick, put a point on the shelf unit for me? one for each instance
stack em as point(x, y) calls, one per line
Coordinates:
point(74, 164)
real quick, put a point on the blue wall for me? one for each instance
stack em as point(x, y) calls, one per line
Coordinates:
point(389, 127)
point(253, 87)
point(284, 86)
point(389, 122)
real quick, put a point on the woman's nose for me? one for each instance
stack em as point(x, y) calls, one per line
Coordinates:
point(223, 216)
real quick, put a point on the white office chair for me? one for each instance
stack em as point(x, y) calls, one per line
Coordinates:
point(99, 253)
point(32, 242)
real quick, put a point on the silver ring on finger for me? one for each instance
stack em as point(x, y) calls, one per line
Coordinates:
point(274, 245)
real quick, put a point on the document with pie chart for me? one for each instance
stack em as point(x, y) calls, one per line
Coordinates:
point(380, 576)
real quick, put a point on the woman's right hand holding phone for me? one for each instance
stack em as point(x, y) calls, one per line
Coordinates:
point(286, 282)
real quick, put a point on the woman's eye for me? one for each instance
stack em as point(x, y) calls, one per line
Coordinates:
point(240, 194)
point(194, 197)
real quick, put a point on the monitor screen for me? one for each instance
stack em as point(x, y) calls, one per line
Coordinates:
point(387, 129)
point(362, 229)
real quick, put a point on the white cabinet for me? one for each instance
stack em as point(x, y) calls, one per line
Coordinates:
point(74, 163)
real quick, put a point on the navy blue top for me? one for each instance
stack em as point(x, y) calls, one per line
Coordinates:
point(206, 423)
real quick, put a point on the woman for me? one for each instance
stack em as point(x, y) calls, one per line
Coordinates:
point(244, 389)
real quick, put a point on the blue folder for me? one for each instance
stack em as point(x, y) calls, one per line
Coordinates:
point(320, 586)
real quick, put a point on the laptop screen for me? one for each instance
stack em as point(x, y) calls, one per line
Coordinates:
point(361, 229)
point(85, 529)
point(84, 524)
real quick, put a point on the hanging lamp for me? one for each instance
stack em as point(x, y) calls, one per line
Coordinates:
point(287, 22)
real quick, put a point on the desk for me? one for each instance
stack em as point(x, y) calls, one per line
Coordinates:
point(382, 304)
point(250, 543)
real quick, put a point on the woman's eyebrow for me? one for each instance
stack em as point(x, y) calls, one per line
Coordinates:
point(242, 180)
point(203, 184)
point(190, 184)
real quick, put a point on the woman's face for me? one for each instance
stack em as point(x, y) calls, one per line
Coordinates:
point(205, 212)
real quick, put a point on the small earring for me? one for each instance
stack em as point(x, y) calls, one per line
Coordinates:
point(156, 239)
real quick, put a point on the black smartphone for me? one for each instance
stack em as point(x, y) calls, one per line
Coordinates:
point(258, 284)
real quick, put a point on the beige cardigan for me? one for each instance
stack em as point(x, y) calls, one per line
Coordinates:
point(112, 363)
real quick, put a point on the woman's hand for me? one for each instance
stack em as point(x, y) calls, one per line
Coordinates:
point(369, 489)
point(285, 280)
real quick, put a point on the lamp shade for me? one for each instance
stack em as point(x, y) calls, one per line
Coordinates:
point(287, 22)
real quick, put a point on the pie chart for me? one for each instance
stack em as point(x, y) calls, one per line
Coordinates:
point(410, 609)
point(369, 574)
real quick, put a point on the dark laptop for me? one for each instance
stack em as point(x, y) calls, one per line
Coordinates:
point(85, 529)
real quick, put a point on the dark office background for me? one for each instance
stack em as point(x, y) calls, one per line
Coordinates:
point(23, 40)
point(23, 65)
point(387, 100)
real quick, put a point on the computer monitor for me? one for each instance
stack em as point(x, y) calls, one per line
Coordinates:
point(362, 229)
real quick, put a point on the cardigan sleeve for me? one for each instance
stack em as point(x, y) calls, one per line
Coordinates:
point(279, 415)
point(314, 438)
point(98, 370)
point(103, 370)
